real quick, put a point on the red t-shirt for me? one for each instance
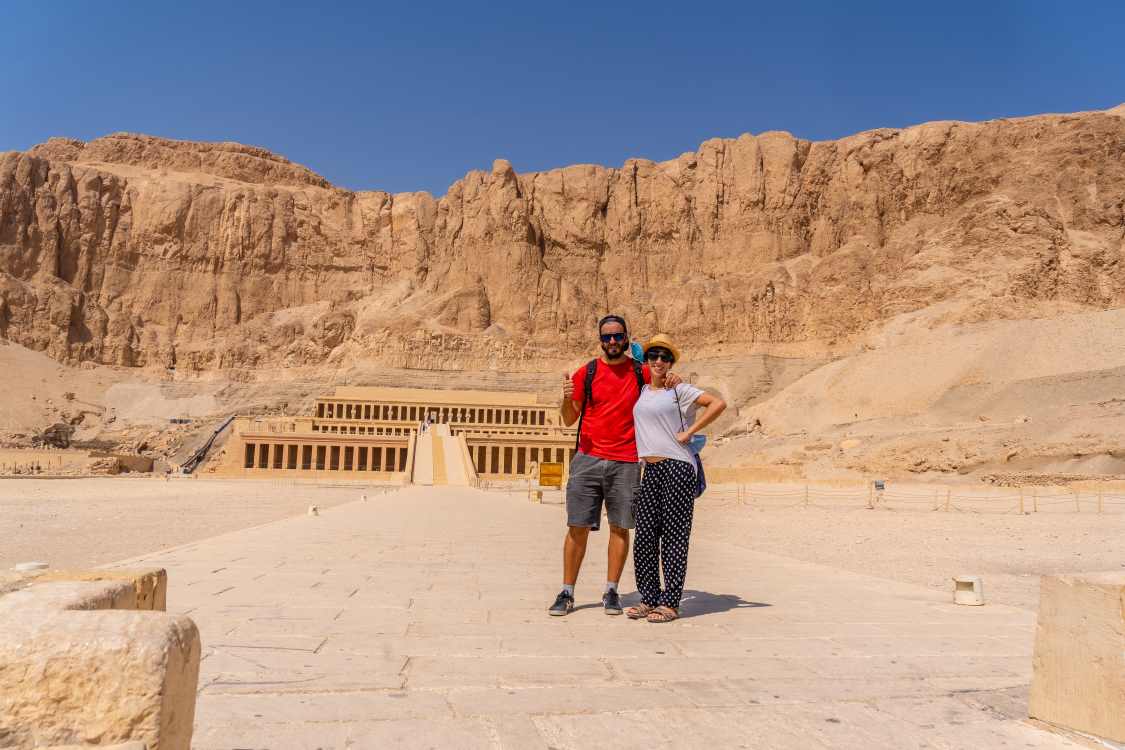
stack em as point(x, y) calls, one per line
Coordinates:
point(607, 427)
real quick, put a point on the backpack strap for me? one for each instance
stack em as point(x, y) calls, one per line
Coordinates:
point(587, 396)
point(640, 373)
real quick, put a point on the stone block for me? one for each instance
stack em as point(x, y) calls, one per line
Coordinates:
point(77, 670)
point(149, 586)
point(1079, 663)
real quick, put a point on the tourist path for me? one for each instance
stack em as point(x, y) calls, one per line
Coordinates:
point(418, 619)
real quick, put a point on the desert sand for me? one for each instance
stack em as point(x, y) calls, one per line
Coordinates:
point(81, 523)
point(1010, 552)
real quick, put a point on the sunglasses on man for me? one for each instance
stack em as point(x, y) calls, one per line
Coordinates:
point(659, 354)
point(608, 337)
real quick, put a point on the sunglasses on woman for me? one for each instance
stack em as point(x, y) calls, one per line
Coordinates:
point(664, 356)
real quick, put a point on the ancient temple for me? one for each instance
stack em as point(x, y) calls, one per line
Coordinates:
point(405, 434)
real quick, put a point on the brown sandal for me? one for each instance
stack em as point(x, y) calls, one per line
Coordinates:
point(662, 614)
point(638, 611)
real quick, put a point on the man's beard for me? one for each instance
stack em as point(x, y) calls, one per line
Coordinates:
point(613, 351)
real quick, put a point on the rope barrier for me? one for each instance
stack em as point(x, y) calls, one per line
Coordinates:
point(827, 498)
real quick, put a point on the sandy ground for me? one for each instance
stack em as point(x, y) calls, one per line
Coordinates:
point(928, 548)
point(89, 522)
point(85, 522)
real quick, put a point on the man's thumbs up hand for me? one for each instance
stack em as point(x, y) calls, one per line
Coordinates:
point(568, 388)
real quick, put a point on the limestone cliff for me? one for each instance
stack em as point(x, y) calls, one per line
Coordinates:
point(138, 251)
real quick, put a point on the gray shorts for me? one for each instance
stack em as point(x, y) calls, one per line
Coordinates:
point(596, 480)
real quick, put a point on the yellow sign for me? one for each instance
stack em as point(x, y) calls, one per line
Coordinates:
point(550, 474)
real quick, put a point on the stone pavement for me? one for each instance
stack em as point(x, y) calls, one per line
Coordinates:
point(418, 619)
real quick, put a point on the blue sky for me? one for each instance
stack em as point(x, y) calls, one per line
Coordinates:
point(410, 96)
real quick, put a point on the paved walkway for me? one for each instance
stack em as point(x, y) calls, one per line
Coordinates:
point(417, 619)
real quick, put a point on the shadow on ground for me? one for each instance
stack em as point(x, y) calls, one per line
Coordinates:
point(695, 603)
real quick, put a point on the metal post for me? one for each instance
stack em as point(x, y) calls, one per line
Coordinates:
point(1034, 500)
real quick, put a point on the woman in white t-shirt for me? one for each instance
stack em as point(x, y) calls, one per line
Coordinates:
point(665, 419)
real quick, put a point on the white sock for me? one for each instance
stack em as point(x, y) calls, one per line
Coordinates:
point(569, 588)
point(610, 586)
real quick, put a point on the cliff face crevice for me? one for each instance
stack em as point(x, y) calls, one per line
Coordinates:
point(138, 251)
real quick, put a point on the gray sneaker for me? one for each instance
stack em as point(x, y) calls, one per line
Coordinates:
point(564, 604)
point(612, 602)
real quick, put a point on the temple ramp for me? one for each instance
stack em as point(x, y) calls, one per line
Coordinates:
point(454, 451)
point(437, 442)
point(423, 459)
point(442, 459)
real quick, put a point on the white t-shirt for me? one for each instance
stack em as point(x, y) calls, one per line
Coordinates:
point(657, 416)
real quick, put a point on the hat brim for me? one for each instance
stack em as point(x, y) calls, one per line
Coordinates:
point(661, 343)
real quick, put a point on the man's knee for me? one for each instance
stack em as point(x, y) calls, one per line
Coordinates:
point(619, 531)
point(578, 533)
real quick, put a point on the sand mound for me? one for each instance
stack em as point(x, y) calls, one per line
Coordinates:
point(1030, 395)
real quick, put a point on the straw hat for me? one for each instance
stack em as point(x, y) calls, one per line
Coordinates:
point(664, 342)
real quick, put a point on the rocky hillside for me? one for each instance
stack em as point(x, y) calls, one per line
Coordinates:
point(137, 251)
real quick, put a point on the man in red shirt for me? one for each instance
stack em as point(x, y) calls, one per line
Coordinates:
point(605, 468)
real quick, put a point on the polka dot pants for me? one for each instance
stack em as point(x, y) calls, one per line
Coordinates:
point(664, 507)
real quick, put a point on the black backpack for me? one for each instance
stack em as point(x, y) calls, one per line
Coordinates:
point(588, 391)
